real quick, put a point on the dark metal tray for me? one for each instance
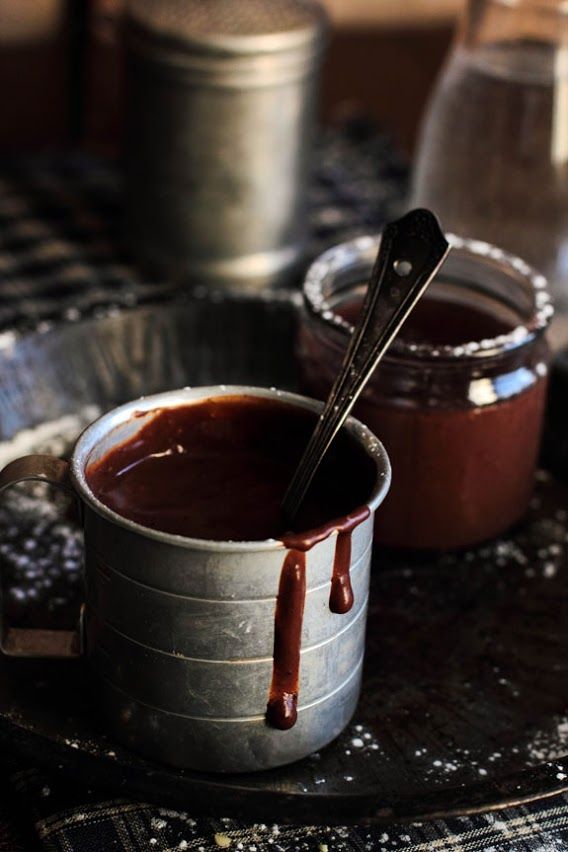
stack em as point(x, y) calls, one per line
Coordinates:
point(464, 702)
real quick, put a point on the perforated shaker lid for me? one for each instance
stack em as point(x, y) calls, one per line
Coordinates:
point(232, 26)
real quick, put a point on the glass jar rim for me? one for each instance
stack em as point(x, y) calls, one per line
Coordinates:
point(363, 250)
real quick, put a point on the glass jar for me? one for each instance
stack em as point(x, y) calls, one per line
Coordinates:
point(462, 420)
point(492, 159)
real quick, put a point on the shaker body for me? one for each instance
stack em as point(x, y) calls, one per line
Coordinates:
point(217, 157)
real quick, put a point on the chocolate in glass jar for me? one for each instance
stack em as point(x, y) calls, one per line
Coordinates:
point(459, 399)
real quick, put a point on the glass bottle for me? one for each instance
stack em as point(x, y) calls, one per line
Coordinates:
point(492, 159)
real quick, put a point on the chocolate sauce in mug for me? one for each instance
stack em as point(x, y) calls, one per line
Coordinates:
point(218, 469)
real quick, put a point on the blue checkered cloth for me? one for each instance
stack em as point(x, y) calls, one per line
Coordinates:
point(60, 225)
point(79, 820)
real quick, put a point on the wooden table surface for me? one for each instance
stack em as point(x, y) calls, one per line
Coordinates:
point(393, 13)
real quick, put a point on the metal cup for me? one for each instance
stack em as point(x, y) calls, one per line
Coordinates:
point(179, 632)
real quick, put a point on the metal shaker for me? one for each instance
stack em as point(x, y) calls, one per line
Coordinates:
point(220, 112)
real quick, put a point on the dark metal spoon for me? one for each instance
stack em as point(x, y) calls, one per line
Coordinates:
point(412, 251)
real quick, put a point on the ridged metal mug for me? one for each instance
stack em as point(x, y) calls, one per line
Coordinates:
point(179, 632)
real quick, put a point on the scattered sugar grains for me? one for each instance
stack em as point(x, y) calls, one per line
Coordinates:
point(54, 437)
point(359, 740)
point(223, 840)
point(550, 745)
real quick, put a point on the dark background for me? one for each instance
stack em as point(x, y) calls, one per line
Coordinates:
point(60, 68)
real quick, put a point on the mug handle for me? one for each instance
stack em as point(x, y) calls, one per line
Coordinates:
point(23, 642)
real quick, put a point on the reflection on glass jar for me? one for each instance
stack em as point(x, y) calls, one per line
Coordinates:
point(458, 401)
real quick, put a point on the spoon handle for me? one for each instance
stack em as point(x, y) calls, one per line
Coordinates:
point(411, 252)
